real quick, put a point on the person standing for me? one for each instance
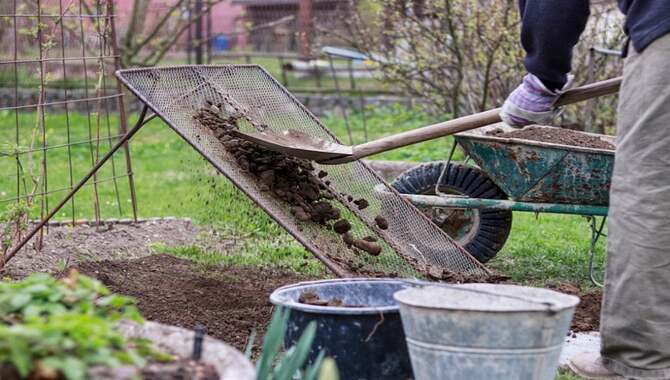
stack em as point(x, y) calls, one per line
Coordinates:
point(635, 319)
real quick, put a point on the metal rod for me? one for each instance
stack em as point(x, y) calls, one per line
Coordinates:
point(82, 41)
point(59, 59)
point(103, 91)
point(140, 122)
point(16, 103)
point(67, 114)
point(61, 189)
point(44, 201)
point(86, 99)
point(503, 204)
point(123, 120)
point(52, 147)
point(56, 15)
point(596, 233)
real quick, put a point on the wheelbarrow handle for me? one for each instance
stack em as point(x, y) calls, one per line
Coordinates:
point(470, 122)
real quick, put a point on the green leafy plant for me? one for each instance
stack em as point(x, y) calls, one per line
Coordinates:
point(59, 328)
point(292, 364)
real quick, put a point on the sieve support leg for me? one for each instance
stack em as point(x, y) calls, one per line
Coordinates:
point(122, 141)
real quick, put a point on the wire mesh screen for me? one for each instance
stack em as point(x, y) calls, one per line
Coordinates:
point(411, 244)
point(61, 108)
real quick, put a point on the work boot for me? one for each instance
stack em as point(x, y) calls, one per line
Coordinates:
point(589, 365)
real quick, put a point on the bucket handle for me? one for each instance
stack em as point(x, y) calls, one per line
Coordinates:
point(551, 307)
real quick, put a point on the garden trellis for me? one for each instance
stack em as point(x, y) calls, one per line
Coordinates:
point(61, 109)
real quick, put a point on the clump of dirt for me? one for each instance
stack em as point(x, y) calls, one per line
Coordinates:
point(289, 179)
point(311, 298)
point(361, 203)
point(342, 226)
point(370, 247)
point(445, 275)
point(381, 222)
point(554, 135)
point(229, 301)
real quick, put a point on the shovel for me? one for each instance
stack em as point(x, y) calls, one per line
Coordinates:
point(302, 145)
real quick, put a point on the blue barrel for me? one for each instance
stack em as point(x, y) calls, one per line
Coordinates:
point(221, 43)
point(366, 342)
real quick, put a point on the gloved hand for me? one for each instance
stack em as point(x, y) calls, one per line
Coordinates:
point(530, 103)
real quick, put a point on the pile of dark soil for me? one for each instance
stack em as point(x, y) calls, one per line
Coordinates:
point(554, 135)
point(229, 301)
point(289, 179)
point(587, 314)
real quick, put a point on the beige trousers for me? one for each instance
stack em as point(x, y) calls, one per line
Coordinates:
point(635, 325)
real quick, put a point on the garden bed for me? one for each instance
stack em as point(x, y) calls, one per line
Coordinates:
point(229, 301)
point(66, 246)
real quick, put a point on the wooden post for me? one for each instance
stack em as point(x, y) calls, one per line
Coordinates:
point(304, 27)
point(198, 32)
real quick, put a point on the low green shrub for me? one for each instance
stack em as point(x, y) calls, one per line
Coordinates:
point(59, 328)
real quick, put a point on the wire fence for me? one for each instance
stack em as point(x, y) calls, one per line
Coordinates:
point(61, 109)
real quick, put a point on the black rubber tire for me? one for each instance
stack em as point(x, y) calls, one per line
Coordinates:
point(494, 226)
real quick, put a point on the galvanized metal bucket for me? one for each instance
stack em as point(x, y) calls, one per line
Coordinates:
point(485, 331)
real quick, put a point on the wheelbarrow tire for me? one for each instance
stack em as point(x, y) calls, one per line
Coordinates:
point(493, 226)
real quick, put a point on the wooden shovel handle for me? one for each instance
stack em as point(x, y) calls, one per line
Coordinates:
point(477, 120)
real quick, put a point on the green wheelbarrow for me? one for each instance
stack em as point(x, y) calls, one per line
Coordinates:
point(474, 203)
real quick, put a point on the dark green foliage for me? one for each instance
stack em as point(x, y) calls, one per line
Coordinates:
point(63, 327)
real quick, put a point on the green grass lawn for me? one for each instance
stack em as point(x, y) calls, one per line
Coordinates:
point(172, 180)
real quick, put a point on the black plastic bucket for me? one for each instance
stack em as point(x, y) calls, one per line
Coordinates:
point(366, 342)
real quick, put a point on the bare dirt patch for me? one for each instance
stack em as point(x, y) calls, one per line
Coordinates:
point(229, 301)
point(556, 136)
point(232, 301)
point(65, 245)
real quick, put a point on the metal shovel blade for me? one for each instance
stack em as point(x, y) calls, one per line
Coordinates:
point(297, 144)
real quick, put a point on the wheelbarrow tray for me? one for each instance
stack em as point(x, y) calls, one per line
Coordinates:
point(533, 171)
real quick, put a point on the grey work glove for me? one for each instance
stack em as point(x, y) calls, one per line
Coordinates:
point(531, 103)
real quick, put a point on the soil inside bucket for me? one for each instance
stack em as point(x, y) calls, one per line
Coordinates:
point(311, 298)
point(554, 135)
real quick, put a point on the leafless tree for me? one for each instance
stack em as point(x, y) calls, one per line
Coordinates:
point(462, 55)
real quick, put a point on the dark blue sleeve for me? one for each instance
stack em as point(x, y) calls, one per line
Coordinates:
point(549, 31)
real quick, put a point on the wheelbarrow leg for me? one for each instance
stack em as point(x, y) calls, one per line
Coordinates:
point(596, 233)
